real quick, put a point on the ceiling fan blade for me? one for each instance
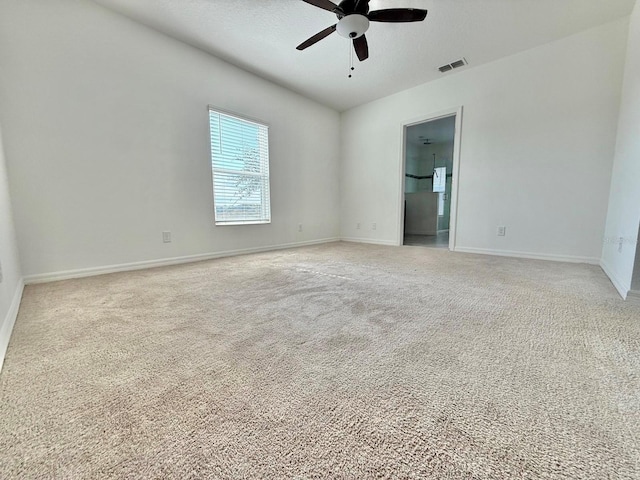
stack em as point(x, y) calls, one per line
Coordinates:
point(361, 47)
point(323, 4)
point(395, 15)
point(317, 37)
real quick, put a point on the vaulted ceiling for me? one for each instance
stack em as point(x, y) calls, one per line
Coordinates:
point(261, 36)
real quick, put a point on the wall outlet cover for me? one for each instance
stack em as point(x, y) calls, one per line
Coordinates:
point(502, 231)
point(166, 237)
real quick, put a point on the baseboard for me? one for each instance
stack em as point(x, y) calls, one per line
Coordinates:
point(9, 321)
point(621, 287)
point(532, 256)
point(371, 241)
point(165, 262)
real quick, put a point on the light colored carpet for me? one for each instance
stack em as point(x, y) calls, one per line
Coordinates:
point(334, 361)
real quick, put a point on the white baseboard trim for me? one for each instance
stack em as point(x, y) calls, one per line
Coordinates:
point(9, 321)
point(371, 241)
point(165, 262)
point(621, 287)
point(532, 256)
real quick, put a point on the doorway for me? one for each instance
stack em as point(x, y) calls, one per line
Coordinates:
point(430, 168)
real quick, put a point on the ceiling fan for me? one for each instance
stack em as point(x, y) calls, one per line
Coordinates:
point(353, 21)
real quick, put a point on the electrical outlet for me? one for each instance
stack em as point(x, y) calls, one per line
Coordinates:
point(374, 226)
point(299, 227)
point(166, 237)
point(358, 226)
point(502, 231)
point(620, 242)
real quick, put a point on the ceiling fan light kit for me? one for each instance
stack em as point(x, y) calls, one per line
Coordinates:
point(353, 26)
point(353, 21)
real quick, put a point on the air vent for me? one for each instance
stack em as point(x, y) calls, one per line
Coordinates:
point(458, 63)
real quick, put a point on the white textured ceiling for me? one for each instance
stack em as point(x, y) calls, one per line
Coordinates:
point(261, 35)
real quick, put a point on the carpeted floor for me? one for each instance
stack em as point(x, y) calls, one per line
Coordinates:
point(335, 361)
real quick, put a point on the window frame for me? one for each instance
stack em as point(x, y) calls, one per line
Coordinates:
point(264, 174)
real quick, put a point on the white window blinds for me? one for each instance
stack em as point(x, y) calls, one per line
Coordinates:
point(240, 167)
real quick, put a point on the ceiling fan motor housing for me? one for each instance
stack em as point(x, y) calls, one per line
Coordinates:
point(353, 26)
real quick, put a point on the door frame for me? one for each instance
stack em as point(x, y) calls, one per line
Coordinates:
point(455, 174)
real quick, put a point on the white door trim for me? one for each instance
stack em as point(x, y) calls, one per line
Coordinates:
point(455, 174)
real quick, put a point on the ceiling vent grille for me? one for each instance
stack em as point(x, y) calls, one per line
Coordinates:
point(450, 66)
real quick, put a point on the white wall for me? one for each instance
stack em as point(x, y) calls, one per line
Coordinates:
point(106, 130)
point(11, 283)
point(623, 216)
point(538, 135)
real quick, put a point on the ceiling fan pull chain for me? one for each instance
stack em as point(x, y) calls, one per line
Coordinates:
point(351, 68)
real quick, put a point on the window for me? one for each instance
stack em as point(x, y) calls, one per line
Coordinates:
point(440, 186)
point(439, 179)
point(240, 168)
